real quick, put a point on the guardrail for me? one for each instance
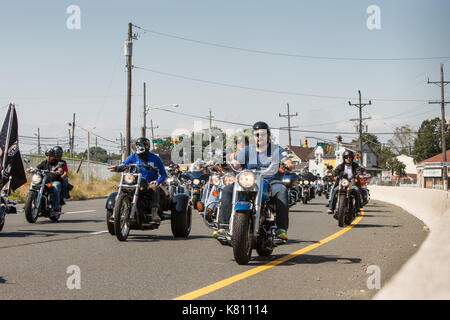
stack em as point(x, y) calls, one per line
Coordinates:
point(427, 273)
point(93, 168)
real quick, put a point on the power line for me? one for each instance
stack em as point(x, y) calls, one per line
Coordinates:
point(218, 45)
point(267, 90)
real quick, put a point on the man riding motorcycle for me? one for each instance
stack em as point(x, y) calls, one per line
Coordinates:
point(52, 164)
point(258, 156)
point(64, 177)
point(143, 156)
point(353, 170)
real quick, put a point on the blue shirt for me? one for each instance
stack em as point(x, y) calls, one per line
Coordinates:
point(249, 158)
point(154, 161)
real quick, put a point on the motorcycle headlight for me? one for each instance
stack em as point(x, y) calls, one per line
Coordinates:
point(196, 181)
point(306, 182)
point(229, 179)
point(36, 179)
point(344, 182)
point(129, 178)
point(215, 180)
point(246, 179)
point(286, 180)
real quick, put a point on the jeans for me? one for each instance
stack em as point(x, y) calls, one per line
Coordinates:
point(279, 192)
point(57, 186)
point(65, 187)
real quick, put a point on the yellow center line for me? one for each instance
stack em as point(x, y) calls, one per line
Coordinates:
point(226, 282)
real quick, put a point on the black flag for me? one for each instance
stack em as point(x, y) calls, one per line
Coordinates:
point(11, 161)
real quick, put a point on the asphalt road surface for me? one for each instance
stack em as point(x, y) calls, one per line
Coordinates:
point(326, 262)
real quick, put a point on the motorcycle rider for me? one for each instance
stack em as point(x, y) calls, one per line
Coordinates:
point(143, 156)
point(353, 170)
point(52, 164)
point(64, 177)
point(259, 156)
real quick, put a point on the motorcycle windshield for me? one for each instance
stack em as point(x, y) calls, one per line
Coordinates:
point(195, 175)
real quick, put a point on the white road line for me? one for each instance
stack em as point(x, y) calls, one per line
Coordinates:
point(99, 232)
point(86, 211)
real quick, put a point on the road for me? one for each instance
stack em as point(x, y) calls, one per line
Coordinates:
point(328, 262)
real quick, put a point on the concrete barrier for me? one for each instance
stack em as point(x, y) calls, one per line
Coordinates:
point(427, 274)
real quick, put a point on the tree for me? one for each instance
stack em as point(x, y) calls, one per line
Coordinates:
point(428, 141)
point(402, 141)
point(396, 167)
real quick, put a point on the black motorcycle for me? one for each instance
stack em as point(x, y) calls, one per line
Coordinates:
point(6, 206)
point(346, 203)
point(328, 183)
point(290, 180)
point(128, 208)
point(39, 201)
point(195, 184)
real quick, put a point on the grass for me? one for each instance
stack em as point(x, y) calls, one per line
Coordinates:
point(81, 189)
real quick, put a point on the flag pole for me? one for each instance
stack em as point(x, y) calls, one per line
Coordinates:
point(5, 153)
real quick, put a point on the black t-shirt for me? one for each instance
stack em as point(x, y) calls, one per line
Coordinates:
point(50, 166)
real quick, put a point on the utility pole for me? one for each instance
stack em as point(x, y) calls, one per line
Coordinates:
point(152, 127)
point(442, 83)
point(288, 116)
point(72, 142)
point(39, 141)
point(360, 105)
point(128, 54)
point(210, 130)
point(88, 156)
point(144, 115)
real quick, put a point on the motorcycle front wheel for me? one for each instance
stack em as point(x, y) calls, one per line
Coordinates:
point(31, 212)
point(122, 210)
point(241, 239)
point(342, 208)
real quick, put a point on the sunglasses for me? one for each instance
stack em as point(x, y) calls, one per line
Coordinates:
point(258, 134)
point(140, 144)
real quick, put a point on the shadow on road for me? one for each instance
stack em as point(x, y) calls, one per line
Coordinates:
point(70, 221)
point(303, 259)
point(359, 225)
point(2, 280)
point(305, 211)
point(152, 238)
point(40, 233)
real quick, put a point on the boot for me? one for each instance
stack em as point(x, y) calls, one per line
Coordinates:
point(155, 215)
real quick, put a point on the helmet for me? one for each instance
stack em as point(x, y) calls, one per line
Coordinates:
point(50, 152)
point(261, 125)
point(58, 151)
point(348, 154)
point(142, 145)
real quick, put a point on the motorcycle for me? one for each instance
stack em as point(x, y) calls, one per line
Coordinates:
point(290, 181)
point(195, 184)
point(306, 190)
point(174, 184)
point(328, 183)
point(252, 222)
point(39, 201)
point(128, 208)
point(213, 192)
point(6, 206)
point(346, 204)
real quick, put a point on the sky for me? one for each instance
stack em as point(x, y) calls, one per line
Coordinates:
point(314, 55)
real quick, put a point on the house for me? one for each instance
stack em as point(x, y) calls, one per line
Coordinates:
point(320, 158)
point(411, 169)
point(429, 171)
point(299, 155)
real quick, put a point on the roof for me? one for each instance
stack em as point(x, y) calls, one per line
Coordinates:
point(301, 152)
point(436, 158)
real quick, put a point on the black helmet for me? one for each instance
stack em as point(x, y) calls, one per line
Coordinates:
point(50, 152)
point(142, 145)
point(58, 151)
point(261, 125)
point(348, 154)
